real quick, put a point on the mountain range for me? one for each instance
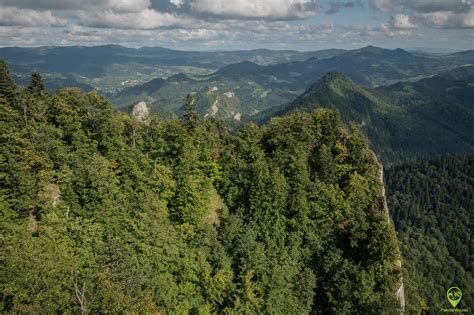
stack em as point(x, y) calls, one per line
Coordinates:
point(248, 88)
point(409, 103)
point(110, 68)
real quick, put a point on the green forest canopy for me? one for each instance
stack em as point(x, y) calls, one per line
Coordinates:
point(432, 202)
point(102, 213)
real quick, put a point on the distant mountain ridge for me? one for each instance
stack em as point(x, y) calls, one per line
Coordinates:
point(110, 68)
point(52, 58)
point(259, 88)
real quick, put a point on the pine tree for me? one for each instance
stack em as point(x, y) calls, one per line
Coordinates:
point(190, 116)
point(7, 87)
point(36, 86)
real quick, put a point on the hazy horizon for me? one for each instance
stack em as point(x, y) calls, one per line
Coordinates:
point(432, 50)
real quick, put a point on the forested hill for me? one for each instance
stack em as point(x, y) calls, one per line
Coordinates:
point(405, 120)
point(103, 213)
point(432, 203)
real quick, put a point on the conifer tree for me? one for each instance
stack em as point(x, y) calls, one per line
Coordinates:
point(190, 116)
point(36, 86)
point(7, 87)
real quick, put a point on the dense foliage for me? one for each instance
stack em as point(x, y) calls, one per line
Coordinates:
point(103, 213)
point(432, 203)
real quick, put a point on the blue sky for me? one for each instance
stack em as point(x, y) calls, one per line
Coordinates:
point(240, 24)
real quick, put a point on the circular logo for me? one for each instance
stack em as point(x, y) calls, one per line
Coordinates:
point(454, 295)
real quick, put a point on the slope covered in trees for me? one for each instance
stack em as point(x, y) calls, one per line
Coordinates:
point(432, 202)
point(102, 213)
point(408, 119)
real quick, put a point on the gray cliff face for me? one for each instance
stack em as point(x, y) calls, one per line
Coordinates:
point(400, 294)
point(141, 112)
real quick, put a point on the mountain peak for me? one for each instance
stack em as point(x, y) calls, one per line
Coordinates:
point(334, 75)
point(371, 48)
point(337, 91)
point(332, 78)
point(398, 52)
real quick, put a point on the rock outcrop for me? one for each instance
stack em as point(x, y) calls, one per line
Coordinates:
point(400, 294)
point(141, 112)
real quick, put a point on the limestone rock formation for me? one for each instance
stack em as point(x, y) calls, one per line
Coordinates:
point(141, 112)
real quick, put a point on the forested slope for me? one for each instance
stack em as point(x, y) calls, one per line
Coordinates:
point(406, 120)
point(103, 213)
point(432, 202)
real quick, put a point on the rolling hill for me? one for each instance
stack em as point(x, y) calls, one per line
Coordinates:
point(110, 68)
point(256, 88)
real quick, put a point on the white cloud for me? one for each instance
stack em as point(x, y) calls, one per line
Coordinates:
point(146, 19)
point(263, 9)
point(229, 24)
point(88, 5)
point(448, 19)
point(402, 21)
point(431, 13)
point(469, 19)
point(424, 6)
point(177, 3)
point(25, 17)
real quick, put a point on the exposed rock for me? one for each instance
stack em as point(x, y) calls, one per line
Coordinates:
point(229, 94)
point(212, 89)
point(141, 112)
point(214, 109)
point(400, 294)
point(237, 116)
point(51, 193)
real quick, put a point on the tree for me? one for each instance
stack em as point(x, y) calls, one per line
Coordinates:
point(36, 86)
point(7, 87)
point(190, 116)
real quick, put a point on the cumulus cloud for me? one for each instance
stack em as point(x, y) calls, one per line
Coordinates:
point(241, 24)
point(448, 19)
point(177, 3)
point(152, 14)
point(431, 13)
point(146, 19)
point(271, 9)
point(423, 6)
point(263, 9)
point(26, 17)
point(88, 5)
point(402, 21)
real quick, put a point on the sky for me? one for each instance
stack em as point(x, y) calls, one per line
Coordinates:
point(240, 24)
